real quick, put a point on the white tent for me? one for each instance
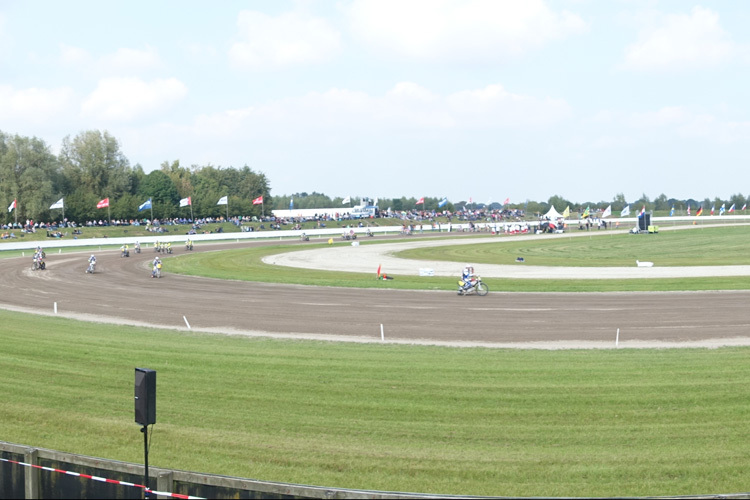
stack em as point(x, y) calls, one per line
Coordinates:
point(552, 214)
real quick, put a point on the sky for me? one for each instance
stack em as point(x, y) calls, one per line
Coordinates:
point(482, 99)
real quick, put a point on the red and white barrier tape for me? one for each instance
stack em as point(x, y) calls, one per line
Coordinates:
point(103, 480)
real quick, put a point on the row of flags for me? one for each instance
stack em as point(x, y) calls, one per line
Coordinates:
point(184, 202)
point(224, 200)
point(626, 211)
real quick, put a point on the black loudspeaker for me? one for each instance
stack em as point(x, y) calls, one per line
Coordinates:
point(145, 396)
point(644, 221)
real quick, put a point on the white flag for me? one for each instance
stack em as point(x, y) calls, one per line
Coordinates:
point(625, 211)
point(57, 204)
point(185, 202)
point(607, 212)
point(222, 201)
point(346, 200)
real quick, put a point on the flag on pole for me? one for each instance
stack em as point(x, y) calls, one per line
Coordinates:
point(586, 213)
point(744, 206)
point(643, 211)
point(625, 211)
point(507, 201)
point(223, 201)
point(713, 207)
point(12, 206)
point(722, 209)
point(420, 201)
point(607, 212)
point(184, 202)
point(379, 270)
point(671, 212)
point(258, 200)
point(443, 202)
point(688, 210)
point(731, 209)
point(103, 203)
point(57, 204)
point(145, 206)
point(291, 203)
point(348, 199)
point(566, 212)
point(699, 211)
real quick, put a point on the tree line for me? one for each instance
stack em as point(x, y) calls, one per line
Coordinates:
point(91, 166)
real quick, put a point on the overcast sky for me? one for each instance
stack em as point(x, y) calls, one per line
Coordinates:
point(487, 99)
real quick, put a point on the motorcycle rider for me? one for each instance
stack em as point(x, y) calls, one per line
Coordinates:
point(468, 277)
point(124, 251)
point(156, 266)
point(92, 263)
point(137, 247)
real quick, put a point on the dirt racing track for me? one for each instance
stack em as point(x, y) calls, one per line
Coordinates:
point(123, 292)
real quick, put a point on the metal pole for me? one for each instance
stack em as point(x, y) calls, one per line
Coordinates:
point(144, 430)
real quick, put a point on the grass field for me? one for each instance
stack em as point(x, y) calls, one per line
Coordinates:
point(466, 421)
point(426, 419)
point(705, 247)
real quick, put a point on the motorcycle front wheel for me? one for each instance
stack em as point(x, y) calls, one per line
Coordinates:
point(482, 289)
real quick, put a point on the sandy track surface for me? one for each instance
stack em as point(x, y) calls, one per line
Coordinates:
point(122, 292)
point(366, 259)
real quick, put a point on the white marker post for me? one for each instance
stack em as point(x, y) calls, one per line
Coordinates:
point(617, 338)
point(55, 308)
point(186, 322)
point(382, 333)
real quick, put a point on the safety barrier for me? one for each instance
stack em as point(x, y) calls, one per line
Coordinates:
point(41, 473)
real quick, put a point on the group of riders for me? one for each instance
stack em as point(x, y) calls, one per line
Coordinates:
point(38, 263)
point(156, 264)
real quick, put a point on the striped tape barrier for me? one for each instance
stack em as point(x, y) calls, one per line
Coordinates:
point(103, 480)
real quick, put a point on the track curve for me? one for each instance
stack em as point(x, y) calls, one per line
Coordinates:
point(122, 292)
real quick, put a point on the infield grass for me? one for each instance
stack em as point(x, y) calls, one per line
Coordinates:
point(468, 421)
point(701, 246)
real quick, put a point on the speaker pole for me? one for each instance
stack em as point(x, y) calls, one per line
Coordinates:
point(144, 430)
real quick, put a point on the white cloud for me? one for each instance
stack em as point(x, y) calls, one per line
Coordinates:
point(34, 105)
point(76, 56)
point(125, 99)
point(127, 60)
point(684, 123)
point(406, 107)
point(460, 30)
point(290, 39)
point(681, 41)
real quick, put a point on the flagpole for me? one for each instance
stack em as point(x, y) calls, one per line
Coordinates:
point(15, 211)
point(227, 208)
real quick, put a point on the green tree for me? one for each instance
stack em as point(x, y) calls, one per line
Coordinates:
point(559, 203)
point(92, 161)
point(164, 196)
point(28, 174)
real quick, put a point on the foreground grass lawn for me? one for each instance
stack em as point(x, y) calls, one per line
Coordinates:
point(406, 418)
